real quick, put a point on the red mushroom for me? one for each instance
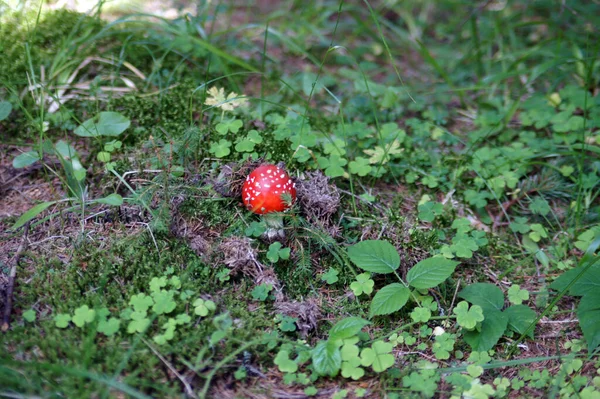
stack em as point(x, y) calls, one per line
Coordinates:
point(266, 190)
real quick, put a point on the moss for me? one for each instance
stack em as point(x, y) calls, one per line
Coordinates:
point(57, 31)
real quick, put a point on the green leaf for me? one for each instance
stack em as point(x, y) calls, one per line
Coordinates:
point(516, 295)
point(326, 358)
point(261, 292)
point(375, 256)
point(588, 313)
point(203, 307)
point(363, 284)
point(429, 210)
point(25, 159)
point(378, 356)
point(32, 213)
point(255, 229)
point(109, 327)
point(420, 315)
point(430, 272)
point(104, 124)
point(468, 317)
point(111, 199)
point(284, 363)
point(83, 315)
point(29, 315)
point(275, 252)
point(331, 277)
point(141, 302)
point(589, 281)
point(139, 323)
point(360, 166)
point(163, 302)
point(220, 149)
point(103, 156)
point(492, 329)
point(520, 318)
point(389, 299)
point(5, 109)
point(346, 328)
point(62, 320)
point(486, 295)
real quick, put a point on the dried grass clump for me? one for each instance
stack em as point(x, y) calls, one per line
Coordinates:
point(318, 199)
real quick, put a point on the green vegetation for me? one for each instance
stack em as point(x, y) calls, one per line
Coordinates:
point(443, 241)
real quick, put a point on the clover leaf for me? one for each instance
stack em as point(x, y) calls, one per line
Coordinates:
point(351, 368)
point(537, 232)
point(429, 210)
point(420, 315)
point(203, 307)
point(139, 323)
point(333, 165)
point(516, 295)
point(468, 317)
point(363, 284)
point(378, 356)
point(163, 301)
point(83, 315)
point(157, 283)
point(276, 252)
point(108, 327)
point(284, 363)
point(232, 125)
point(29, 315)
point(261, 292)
point(220, 149)
point(141, 302)
point(255, 229)
point(360, 166)
point(62, 320)
point(247, 144)
point(331, 277)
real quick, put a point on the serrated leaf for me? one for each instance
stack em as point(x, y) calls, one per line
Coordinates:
point(31, 213)
point(486, 295)
point(326, 358)
point(346, 328)
point(520, 318)
point(588, 282)
point(430, 272)
point(25, 159)
point(389, 299)
point(588, 313)
point(492, 329)
point(375, 256)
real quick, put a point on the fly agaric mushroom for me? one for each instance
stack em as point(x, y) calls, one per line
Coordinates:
point(269, 189)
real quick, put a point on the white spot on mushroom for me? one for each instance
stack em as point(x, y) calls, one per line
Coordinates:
point(267, 185)
point(294, 185)
point(262, 209)
point(282, 175)
point(278, 186)
point(257, 185)
point(269, 171)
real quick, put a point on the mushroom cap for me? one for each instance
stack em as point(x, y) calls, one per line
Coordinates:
point(263, 189)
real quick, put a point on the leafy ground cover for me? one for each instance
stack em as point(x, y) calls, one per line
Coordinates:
point(444, 238)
